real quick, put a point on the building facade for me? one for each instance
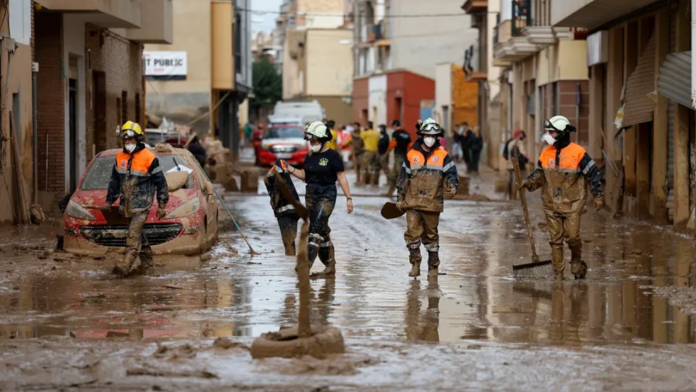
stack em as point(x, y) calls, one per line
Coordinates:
point(214, 73)
point(641, 115)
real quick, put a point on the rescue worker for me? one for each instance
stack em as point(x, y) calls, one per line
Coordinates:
point(357, 147)
point(400, 142)
point(346, 138)
point(563, 172)
point(135, 178)
point(283, 209)
point(322, 168)
point(370, 139)
point(333, 143)
point(428, 176)
point(383, 150)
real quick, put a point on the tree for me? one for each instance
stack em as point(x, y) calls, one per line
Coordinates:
point(268, 86)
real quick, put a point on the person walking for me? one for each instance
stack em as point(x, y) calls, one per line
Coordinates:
point(563, 173)
point(428, 176)
point(370, 139)
point(135, 178)
point(322, 168)
point(383, 150)
point(357, 147)
point(464, 139)
point(476, 146)
point(515, 144)
point(400, 142)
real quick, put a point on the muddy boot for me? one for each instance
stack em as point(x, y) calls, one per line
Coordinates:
point(433, 263)
point(326, 255)
point(578, 269)
point(415, 258)
point(558, 262)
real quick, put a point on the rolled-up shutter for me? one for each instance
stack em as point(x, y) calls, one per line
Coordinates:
point(639, 107)
point(674, 81)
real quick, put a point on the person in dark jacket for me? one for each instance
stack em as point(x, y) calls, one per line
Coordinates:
point(195, 148)
point(400, 142)
point(282, 207)
point(476, 146)
point(135, 178)
point(383, 151)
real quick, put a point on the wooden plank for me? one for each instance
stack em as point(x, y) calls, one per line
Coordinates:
point(596, 126)
point(681, 167)
point(643, 140)
point(661, 121)
point(22, 200)
point(614, 83)
point(631, 45)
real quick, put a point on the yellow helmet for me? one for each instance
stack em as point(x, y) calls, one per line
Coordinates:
point(131, 129)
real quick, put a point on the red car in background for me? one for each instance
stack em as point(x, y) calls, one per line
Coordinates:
point(189, 228)
point(283, 141)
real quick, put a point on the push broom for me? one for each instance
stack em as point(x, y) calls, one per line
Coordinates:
point(530, 231)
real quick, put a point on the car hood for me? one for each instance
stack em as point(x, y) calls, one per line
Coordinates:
point(299, 142)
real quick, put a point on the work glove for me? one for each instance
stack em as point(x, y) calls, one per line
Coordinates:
point(161, 211)
point(599, 202)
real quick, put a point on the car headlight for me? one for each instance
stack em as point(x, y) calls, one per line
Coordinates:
point(186, 209)
point(78, 212)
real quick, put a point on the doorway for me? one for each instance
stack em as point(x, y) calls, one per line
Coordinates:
point(99, 116)
point(72, 113)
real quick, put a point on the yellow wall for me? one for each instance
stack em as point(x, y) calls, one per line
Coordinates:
point(329, 63)
point(572, 60)
point(464, 98)
point(222, 56)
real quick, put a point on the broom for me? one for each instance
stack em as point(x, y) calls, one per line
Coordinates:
point(530, 232)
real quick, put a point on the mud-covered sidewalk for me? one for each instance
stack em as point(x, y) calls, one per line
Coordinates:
point(68, 324)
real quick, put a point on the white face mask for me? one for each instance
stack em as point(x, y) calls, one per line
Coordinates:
point(130, 147)
point(316, 148)
point(549, 139)
point(429, 141)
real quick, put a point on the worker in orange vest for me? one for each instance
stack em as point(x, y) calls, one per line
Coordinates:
point(428, 176)
point(563, 172)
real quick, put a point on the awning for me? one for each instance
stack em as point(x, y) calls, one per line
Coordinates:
point(674, 81)
point(639, 107)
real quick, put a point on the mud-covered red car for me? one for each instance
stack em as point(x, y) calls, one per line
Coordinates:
point(285, 141)
point(189, 228)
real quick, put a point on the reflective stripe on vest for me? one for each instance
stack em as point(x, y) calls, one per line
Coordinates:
point(568, 160)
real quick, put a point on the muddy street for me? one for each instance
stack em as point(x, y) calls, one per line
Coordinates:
point(67, 322)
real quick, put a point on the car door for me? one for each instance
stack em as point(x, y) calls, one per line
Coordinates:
point(210, 201)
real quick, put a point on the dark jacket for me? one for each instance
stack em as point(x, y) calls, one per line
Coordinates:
point(135, 178)
point(427, 179)
point(198, 152)
point(383, 146)
point(281, 205)
point(403, 139)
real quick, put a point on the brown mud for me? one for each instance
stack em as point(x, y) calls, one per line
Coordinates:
point(68, 323)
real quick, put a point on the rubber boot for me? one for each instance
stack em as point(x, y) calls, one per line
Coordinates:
point(558, 262)
point(326, 255)
point(577, 267)
point(415, 258)
point(433, 263)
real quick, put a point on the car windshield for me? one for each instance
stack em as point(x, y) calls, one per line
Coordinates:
point(285, 133)
point(100, 172)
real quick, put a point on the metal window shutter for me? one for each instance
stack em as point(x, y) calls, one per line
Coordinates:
point(674, 81)
point(639, 108)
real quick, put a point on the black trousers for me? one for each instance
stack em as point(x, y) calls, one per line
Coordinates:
point(320, 200)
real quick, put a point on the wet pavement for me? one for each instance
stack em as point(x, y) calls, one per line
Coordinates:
point(478, 308)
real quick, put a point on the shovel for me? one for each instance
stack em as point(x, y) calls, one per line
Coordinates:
point(530, 232)
point(391, 211)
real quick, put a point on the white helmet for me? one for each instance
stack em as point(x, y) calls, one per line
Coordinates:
point(318, 130)
point(429, 127)
point(559, 124)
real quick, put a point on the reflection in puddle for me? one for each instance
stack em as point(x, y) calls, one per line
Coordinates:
point(371, 295)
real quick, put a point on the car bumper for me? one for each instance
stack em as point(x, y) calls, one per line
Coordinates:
point(97, 240)
point(267, 158)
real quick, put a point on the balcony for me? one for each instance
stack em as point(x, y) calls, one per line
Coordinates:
point(157, 23)
point(103, 13)
point(592, 14)
point(510, 41)
point(475, 6)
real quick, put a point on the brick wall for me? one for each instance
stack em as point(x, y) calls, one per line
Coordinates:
point(121, 62)
point(48, 52)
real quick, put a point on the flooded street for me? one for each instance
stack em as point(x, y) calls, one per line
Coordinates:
point(68, 323)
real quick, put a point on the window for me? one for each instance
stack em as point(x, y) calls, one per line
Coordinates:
point(285, 133)
point(238, 43)
point(20, 21)
point(99, 172)
point(124, 107)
